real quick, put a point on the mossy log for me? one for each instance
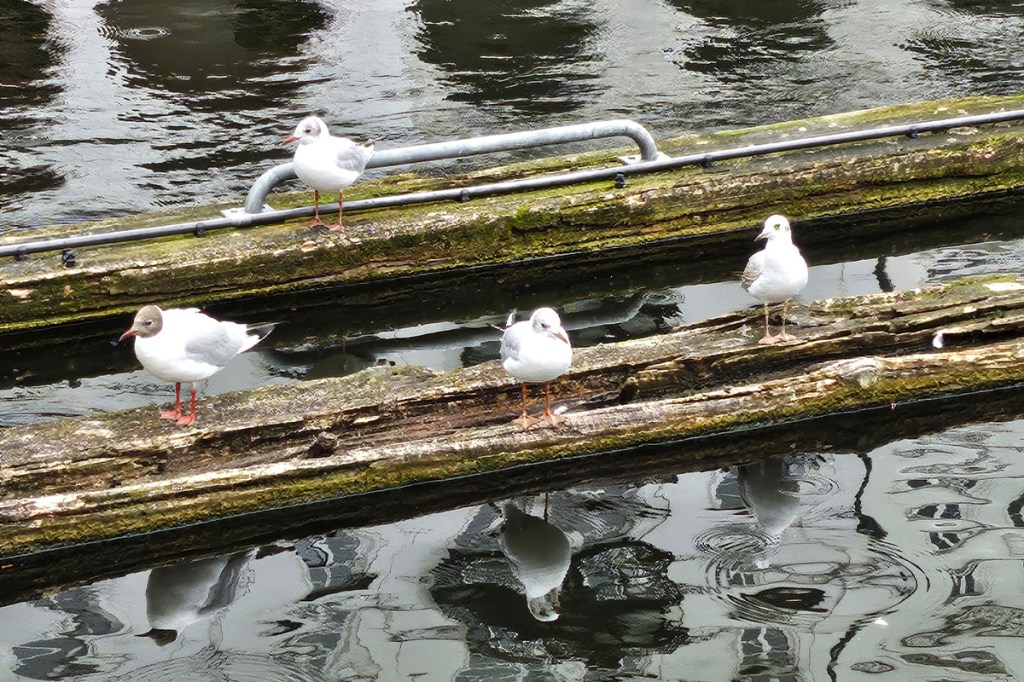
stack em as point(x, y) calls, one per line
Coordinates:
point(84, 479)
point(403, 246)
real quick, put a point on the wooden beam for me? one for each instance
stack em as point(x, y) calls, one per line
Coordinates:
point(85, 479)
point(706, 207)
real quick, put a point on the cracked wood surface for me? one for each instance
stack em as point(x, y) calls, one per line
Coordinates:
point(81, 479)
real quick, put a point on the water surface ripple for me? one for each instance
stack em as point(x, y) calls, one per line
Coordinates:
point(117, 107)
point(904, 562)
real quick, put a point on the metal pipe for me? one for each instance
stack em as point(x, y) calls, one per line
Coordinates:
point(456, 149)
point(266, 182)
point(903, 130)
point(198, 228)
point(241, 219)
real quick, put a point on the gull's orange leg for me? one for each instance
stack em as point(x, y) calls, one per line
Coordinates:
point(174, 414)
point(190, 418)
point(339, 227)
point(524, 420)
point(316, 221)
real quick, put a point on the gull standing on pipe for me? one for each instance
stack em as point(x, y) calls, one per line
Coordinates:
point(188, 346)
point(775, 274)
point(327, 163)
point(533, 351)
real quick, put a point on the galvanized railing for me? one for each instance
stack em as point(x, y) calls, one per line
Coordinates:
point(650, 161)
point(457, 149)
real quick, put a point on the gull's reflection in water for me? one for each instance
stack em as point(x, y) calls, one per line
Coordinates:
point(540, 554)
point(770, 490)
point(178, 596)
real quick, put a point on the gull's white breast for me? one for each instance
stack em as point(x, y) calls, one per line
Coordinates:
point(317, 165)
point(535, 357)
point(783, 274)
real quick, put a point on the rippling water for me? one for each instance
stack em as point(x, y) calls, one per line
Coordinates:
point(904, 561)
point(115, 107)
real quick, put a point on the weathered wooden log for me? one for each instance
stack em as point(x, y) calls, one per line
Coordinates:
point(702, 206)
point(85, 479)
point(32, 575)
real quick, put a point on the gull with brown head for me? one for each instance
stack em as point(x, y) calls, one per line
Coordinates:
point(327, 163)
point(185, 345)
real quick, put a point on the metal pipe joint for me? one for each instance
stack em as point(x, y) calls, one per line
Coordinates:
point(456, 149)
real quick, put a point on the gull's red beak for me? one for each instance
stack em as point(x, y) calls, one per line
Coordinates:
point(130, 332)
point(764, 234)
point(290, 138)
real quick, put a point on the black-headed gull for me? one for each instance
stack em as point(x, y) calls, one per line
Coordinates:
point(327, 163)
point(775, 274)
point(536, 350)
point(188, 346)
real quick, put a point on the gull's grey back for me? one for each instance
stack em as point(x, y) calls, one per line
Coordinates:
point(352, 156)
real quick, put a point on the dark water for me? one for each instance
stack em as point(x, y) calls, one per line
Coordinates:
point(896, 562)
point(117, 107)
point(904, 561)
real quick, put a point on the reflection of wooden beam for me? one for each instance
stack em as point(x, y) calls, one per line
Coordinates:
point(82, 479)
point(705, 207)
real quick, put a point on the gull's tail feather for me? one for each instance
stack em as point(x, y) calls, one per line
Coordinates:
point(258, 332)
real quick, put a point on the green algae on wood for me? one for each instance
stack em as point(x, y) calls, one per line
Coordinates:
point(706, 207)
point(837, 386)
point(83, 479)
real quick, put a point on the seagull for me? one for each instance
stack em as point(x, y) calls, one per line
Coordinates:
point(188, 346)
point(327, 163)
point(775, 274)
point(536, 350)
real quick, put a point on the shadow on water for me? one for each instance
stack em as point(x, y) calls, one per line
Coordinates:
point(612, 602)
point(966, 49)
point(217, 56)
point(26, 57)
point(205, 49)
point(743, 39)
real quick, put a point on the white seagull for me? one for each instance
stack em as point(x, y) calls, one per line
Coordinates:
point(188, 346)
point(536, 350)
point(327, 163)
point(775, 274)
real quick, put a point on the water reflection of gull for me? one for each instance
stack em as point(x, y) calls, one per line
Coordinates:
point(768, 490)
point(186, 593)
point(539, 553)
